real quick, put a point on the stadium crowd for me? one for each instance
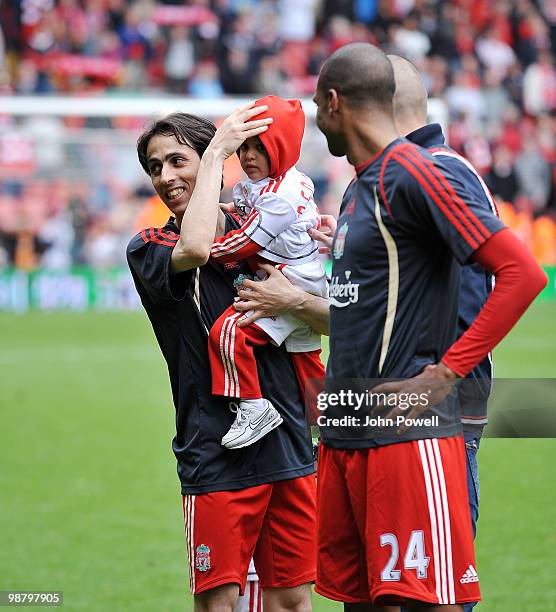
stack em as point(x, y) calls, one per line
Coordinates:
point(491, 62)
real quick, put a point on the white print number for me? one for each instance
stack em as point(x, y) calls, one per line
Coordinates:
point(415, 557)
point(389, 574)
point(415, 554)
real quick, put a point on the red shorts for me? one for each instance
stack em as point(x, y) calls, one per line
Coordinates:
point(394, 523)
point(273, 523)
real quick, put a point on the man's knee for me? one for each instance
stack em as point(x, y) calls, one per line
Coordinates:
point(220, 599)
point(293, 599)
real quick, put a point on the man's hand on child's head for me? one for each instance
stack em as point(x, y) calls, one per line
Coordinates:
point(236, 128)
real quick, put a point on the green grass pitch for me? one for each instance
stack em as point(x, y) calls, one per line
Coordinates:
point(89, 502)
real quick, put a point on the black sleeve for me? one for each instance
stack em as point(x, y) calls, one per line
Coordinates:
point(149, 259)
point(429, 197)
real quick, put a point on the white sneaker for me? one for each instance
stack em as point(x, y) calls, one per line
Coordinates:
point(253, 421)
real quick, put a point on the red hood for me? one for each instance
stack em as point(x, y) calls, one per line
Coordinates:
point(283, 138)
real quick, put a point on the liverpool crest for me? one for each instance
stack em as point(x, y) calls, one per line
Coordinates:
point(340, 241)
point(202, 558)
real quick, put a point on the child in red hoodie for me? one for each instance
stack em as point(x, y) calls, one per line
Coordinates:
point(277, 209)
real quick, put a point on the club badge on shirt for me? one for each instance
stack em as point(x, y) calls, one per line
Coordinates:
point(202, 558)
point(340, 241)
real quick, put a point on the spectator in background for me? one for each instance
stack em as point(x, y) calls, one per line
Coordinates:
point(80, 218)
point(435, 75)
point(96, 24)
point(180, 59)
point(103, 245)
point(238, 72)
point(477, 149)
point(495, 98)
point(339, 33)
point(237, 58)
point(464, 95)
point(57, 236)
point(205, 82)
point(495, 53)
point(539, 85)
point(510, 134)
point(297, 20)
point(442, 35)
point(532, 32)
point(410, 40)
point(318, 52)
point(270, 77)
point(492, 62)
point(502, 180)
point(533, 175)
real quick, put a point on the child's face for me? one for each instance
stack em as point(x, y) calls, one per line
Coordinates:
point(254, 159)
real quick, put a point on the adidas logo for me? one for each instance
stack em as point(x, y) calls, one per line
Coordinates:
point(469, 576)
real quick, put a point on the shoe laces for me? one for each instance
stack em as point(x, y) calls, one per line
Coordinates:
point(241, 416)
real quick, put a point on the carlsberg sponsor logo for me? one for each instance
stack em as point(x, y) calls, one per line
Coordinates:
point(343, 294)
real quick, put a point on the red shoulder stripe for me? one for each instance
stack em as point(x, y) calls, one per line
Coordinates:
point(447, 151)
point(162, 235)
point(169, 234)
point(446, 191)
point(486, 233)
point(151, 236)
point(414, 172)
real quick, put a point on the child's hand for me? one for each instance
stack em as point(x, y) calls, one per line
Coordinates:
point(228, 207)
point(325, 233)
point(329, 223)
point(324, 238)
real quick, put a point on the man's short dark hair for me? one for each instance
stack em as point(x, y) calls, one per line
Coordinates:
point(188, 130)
point(361, 73)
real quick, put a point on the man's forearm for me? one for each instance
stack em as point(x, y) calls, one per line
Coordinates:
point(312, 310)
point(519, 279)
point(198, 225)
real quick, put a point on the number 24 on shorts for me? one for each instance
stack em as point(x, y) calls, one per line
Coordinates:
point(414, 558)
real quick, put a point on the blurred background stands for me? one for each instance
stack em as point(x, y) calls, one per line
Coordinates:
point(72, 192)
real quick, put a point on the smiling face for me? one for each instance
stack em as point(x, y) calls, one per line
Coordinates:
point(254, 159)
point(173, 170)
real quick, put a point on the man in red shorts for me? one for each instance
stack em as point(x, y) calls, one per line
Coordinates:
point(257, 502)
point(393, 517)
